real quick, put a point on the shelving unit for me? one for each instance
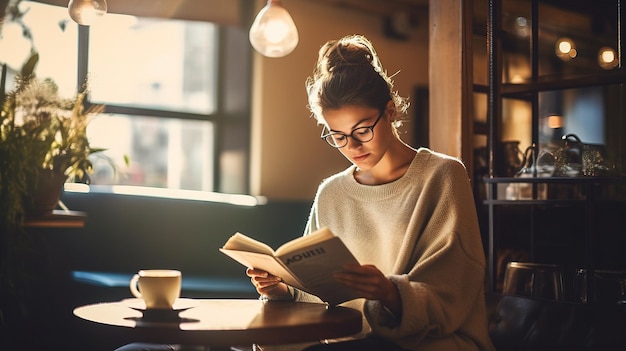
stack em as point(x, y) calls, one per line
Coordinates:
point(562, 220)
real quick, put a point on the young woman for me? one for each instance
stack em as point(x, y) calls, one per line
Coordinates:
point(407, 214)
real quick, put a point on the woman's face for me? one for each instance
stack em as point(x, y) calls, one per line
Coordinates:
point(364, 155)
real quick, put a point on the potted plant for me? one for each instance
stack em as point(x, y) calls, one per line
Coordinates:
point(43, 144)
point(43, 138)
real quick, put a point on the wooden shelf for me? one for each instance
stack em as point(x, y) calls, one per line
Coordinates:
point(57, 219)
point(525, 90)
point(565, 180)
point(552, 202)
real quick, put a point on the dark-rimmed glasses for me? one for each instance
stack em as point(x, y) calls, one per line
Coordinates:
point(361, 134)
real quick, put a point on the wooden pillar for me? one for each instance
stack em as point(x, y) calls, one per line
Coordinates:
point(451, 79)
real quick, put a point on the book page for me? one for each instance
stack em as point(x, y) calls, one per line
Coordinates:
point(242, 242)
point(314, 266)
point(305, 241)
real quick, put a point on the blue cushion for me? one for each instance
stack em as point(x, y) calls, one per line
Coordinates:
point(189, 283)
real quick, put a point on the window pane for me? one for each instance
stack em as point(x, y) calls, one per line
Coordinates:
point(163, 152)
point(516, 26)
point(152, 63)
point(574, 39)
point(54, 37)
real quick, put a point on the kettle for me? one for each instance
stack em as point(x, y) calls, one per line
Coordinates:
point(528, 162)
point(523, 191)
point(575, 158)
point(568, 157)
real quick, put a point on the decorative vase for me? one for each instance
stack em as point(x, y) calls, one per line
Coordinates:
point(46, 196)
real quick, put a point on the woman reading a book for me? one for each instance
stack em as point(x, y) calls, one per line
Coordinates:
point(407, 214)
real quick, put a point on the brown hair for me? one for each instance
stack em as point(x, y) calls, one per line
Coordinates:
point(348, 72)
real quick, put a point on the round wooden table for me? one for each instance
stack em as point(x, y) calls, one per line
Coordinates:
point(226, 322)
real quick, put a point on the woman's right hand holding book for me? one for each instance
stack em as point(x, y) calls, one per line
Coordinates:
point(268, 285)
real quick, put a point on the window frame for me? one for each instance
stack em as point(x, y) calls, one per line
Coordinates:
point(233, 85)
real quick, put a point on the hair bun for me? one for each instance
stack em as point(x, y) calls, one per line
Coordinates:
point(349, 72)
point(349, 53)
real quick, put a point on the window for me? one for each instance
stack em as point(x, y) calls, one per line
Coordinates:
point(168, 86)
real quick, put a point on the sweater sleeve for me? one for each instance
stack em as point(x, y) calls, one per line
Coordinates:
point(445, 274)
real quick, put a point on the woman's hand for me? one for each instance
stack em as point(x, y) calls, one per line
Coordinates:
point(267, 284)
point(370, 283)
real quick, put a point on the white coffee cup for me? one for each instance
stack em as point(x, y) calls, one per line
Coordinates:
point(159, 288)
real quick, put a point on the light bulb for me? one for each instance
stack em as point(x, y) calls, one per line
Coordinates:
point(565, 49)
point(555, 121)
point(273, 33)
point(86, 12)
point(607, 58)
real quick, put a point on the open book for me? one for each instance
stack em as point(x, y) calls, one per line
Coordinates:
point(306, 263)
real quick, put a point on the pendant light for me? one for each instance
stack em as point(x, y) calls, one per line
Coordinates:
point(273, 33)
point(86, 12)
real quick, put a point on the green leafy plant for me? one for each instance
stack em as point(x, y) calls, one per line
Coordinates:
point(54, 128)
point(40, 131)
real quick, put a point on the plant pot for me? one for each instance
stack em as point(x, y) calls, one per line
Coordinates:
point(46, 196)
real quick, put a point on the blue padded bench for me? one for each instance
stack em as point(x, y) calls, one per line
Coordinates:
point(192, 285)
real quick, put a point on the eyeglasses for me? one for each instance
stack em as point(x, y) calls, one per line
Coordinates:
point(361, 134)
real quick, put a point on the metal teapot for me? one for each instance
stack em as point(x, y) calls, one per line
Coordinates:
point(508, 156)
point(528, 163)
point(529, 169)
point(511, 158)
point(575, 158)
point(568, 157)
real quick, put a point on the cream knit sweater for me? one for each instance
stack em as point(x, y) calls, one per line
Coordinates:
point(422, 232)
